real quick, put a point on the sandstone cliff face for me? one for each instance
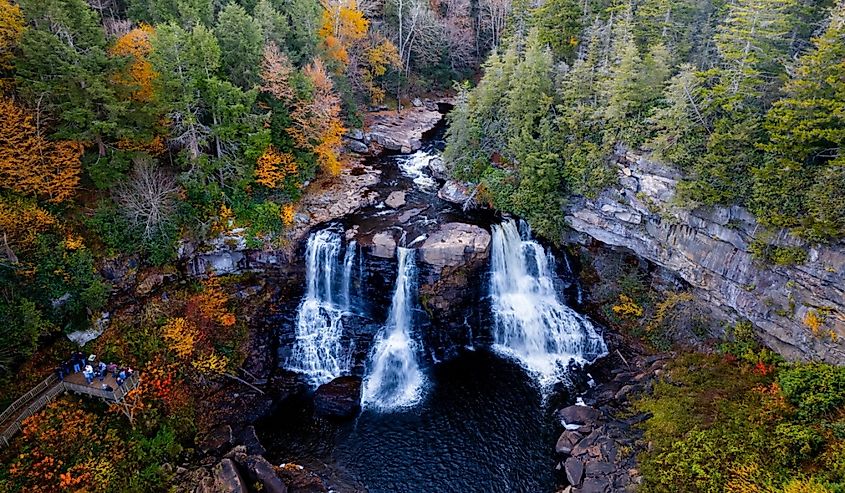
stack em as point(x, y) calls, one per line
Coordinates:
point(709, 249)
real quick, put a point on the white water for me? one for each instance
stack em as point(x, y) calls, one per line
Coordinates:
point(531, 323)
point(415, 165)
point(394, 379)
point(318, 351)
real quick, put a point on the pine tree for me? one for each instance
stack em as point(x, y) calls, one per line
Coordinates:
point(274, 25)
point(806, 140)
point(64, 65)
point(241, 42)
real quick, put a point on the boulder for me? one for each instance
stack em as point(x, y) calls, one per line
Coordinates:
point(217, 440)
point(457, 193)
point(384, 245)
point(227, 479)
point(249, 439)
point(455, 244)
point(567, 440)
point(595, 485)
point(578, 415)
point(340, 398)
point(395, 199)
point(148, 283)
point(355, 134)
point(417, 103)
point(574, 470)
point(356, 146)
point(262, 472)
point(437, 168)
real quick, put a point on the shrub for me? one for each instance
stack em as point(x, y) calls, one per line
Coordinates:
point(816, 389)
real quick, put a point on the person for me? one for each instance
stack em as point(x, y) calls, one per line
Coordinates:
point(121, 376)
point(77, 360)
point(60, 372)
point(101, 370)
point(89, 374)
point(108, 388)
point(112, 368)
point(67, 367)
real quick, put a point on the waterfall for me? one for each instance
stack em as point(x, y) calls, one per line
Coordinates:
point(531, 323)
point(394, 378)
point(318, 351)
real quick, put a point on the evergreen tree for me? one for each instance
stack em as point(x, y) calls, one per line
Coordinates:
point(65, 67)
point(806, 136)
point(241, 42)
point(274, 25)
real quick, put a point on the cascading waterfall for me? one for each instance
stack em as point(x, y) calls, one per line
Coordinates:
point(394, 378)
point(318, 351)
point(531, 322)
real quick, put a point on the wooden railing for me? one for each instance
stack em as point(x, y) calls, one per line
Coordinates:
point(43, 393)
point(24, 399)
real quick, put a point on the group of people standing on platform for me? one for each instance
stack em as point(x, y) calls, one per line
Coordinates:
point(92, 368)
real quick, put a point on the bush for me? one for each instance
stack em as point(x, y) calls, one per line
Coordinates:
point(816, 389)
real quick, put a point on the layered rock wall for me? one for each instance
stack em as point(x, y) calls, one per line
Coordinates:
point(710, 249)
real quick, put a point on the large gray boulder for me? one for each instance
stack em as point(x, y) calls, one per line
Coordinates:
point(227, 479)
point(455, 244)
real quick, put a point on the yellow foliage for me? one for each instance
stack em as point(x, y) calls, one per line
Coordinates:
point(32, 165)
point(666, 306)
point(181, 336)
point(288, 214)
point(342, 27)
point(745, 478)
point(74, 242)
point(805, 486)
point(211, 363)
point(212, 301)
point(11, 31)
point(139, 74)
point(274, 166)
point(22, 221)
point(316, 124)
point(381, 56)
point(627, 307)
point(813, 321)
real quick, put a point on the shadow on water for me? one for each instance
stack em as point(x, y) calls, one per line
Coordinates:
point(481, 428)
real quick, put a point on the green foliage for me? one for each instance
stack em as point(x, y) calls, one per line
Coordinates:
point(816, 389)
point(776, 254)
point(241, 41)
point(23, 326)
point(722, 426)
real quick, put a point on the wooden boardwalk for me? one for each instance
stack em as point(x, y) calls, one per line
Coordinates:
point(46, 391)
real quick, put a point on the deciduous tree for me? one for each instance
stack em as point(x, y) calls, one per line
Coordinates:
point(32, 165)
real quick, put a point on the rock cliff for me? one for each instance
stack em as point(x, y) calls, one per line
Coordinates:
point(710, 249)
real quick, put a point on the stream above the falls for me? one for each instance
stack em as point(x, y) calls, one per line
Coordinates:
point(462, 405)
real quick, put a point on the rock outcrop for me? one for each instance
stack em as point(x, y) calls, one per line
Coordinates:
point(709, 248)
point(402, 132)
point(455, 244)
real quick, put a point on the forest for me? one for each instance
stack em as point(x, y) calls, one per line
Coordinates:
point(132, 129)
point(132, 125)
point(745, 98)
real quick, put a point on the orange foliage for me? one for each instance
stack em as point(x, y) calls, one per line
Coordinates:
point(343, 26)
point(316, 124)
point(31, 164)
point(154, 147)
point(276, 70)
point(11, 30)
point(274, 166)
point(288, 215)
point(211, 302)
point(139, 74)
point(22, 221)
point(68, 449)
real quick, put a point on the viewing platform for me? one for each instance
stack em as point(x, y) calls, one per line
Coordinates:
point(45, 392)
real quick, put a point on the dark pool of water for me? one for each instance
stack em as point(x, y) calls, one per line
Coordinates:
point(481, 428)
